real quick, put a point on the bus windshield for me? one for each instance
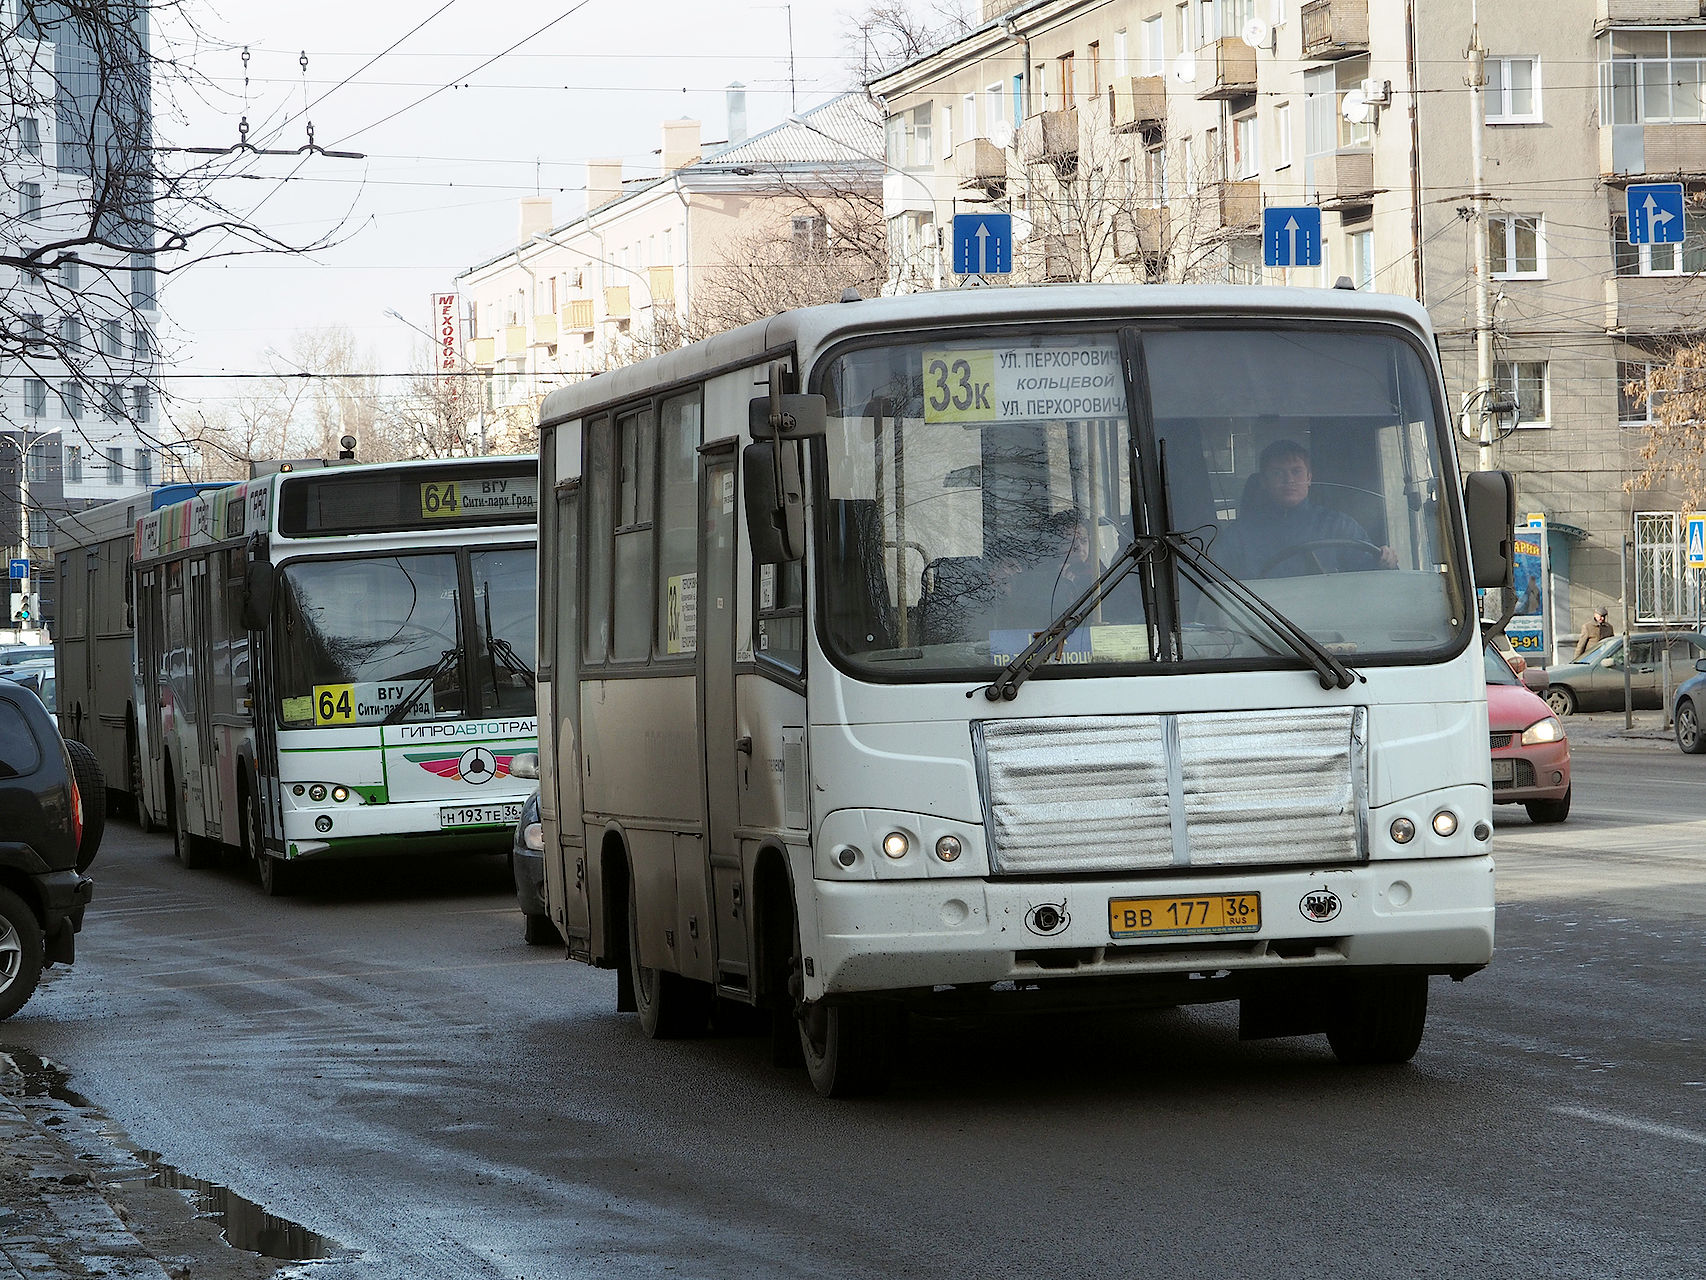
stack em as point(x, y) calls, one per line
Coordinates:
point(358, 638)
point(976, 488)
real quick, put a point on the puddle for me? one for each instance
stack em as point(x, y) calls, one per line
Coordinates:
point(246, 1225)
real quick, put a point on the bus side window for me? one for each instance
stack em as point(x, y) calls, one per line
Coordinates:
point(678, 525)
point(598, 531)
point(779, 620)
point(637, 443)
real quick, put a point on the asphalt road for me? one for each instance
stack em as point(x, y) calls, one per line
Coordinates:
point(385, 1063)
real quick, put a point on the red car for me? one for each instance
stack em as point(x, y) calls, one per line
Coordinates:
point(1531, 755)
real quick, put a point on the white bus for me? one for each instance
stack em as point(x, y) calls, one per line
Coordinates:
point(338, 663)
point(1075, 644)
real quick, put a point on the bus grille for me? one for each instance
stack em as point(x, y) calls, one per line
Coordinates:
point(1098, 794)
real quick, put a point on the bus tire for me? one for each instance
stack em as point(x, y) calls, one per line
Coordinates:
point(1379, 1021)
point(277, 877)
point(189, 849)
point(92, 787)
point(849, 1048)
point(144, 815)
point(670, 1006)
point(21, 953)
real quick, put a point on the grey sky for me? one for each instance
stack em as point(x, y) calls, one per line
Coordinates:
point(438, 190)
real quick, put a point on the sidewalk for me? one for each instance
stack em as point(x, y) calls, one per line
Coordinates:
point(1592, 728)
point(74, 1202)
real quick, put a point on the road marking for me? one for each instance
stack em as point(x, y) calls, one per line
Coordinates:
point(1637, 1126)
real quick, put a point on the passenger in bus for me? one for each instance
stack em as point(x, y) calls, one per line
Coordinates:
point(1281, 532)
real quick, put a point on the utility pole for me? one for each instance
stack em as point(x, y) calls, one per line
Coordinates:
point(1483, 398)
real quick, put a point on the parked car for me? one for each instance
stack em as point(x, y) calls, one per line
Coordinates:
point(527, 864)
point(42, 893)
point(36, 676)
point(1594, 682)
point(1688, 705)
point(11, 654)
point(1531, 753)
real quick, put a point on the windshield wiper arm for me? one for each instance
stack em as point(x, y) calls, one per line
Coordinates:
point(1024, 664)
point(1206, 571)
point(449, 659)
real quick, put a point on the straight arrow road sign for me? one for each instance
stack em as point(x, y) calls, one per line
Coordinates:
point(1656, 213)
point(1291, 236)
point(983, 244)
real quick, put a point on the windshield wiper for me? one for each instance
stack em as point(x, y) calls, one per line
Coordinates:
point(1205, 571)
point(1005, 686)
point(500, 650)
point(449, 659)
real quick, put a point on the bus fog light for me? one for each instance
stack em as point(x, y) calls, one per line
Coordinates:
point(1445, 823)
point(1403, 830)
point(847, 855)
point(948, 848)
point(299, 790)
point(1483, 831)
point(895, 844)
point(317, 792)
point(340, 794)
point(322, 823)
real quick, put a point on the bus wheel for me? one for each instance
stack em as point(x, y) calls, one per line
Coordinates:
point(189, 849)
point(277, 877)
point(670, 1006)
point(849, 1048)
point(144, 815)
point(21, 952)
point(1379, 1020)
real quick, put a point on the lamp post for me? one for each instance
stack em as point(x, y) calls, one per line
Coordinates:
point(480, 400)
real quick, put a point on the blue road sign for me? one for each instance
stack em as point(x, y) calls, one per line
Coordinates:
point(20, 568)
point(1697, 542)
point(1655, 213)
point(1291, 237)
point(983, 244)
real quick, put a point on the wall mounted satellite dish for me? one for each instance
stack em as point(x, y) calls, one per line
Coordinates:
point(1258, 34)
point(1357, 108)
point(1185, 68)
point(1001, 133)
point(1021, 227)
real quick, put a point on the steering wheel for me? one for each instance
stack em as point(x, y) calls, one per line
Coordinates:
point(1314, 545)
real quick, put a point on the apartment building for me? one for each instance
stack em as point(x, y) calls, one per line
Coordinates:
point(1139, 140)
point(77, 409)
point(655, 258)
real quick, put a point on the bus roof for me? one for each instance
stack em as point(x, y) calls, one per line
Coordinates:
point(115, 519)
point(811, 329)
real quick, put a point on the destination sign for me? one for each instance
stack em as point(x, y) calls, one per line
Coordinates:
point(1018, 384)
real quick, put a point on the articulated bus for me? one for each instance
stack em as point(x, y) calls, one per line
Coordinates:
point(338, 663)
point(1062, 645)
point(95, 633)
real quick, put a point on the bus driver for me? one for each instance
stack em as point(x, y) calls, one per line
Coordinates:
point(1281, 533)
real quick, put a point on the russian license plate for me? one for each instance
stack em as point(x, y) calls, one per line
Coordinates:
point(1504, 771)
point(477, 815)
point(1168, 917)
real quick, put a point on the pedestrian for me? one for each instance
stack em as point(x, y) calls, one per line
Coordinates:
point(1596, 630)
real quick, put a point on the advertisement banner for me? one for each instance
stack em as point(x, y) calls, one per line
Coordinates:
point(1527, 629)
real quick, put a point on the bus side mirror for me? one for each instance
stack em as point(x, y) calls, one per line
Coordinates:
point(257, 594)
point(779, 417)
point(525, 766)
point(1489, 502)
point(775, 501)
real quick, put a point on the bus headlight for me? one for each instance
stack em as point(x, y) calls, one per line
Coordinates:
point(1547, 730)
point(340, 794)
point(317, 792)
point(948, 848)
point(895, 844)
point(1445, 823)
point(1403, 830)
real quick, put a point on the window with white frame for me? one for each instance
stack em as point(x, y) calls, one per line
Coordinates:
point(73, 464)
point(1525, 381)
point(1121, 65)
point(968, 118)
point(1246, 159)
point(144, 467)
point(1154, 47)
point(41, 529)
point(140, 402)
point(1652, 76)
point(992, 113)
point(71, 273)
point(1636, 405)
point(947, 132)
point(35, 398)
point(1687, 258)
point(29, 136)
point(115, 465)
point(1282, 135)
point(1155, 173)
point(921, 119)
point(1362, 259)
point(29, 201)
point(71, 400)
point(39, 462)
point(1513, 90)
point(1517, 246)
point(111, 397)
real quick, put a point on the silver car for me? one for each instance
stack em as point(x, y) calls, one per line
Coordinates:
point(1595, 681)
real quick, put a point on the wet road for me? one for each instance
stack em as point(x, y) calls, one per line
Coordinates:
point(384, 1062)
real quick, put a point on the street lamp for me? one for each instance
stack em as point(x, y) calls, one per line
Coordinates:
point(480, 401)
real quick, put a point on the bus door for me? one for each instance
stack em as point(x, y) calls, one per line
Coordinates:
point(565, 866)
point(716, 612)
point(150, 646)
point(254, 677)
point(198, 651)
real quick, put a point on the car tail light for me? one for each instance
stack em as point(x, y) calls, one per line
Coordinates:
point(76, 815)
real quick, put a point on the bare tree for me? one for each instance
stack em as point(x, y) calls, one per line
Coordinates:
point(1672, 453)
point(890, 33)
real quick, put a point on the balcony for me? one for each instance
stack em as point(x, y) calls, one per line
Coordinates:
point(1345, 179)
point(616, 304)
point(576, 316)
point(1645, 11)
point(545, 329)
point(1060, 258)
point(660, 282)
point(1337, 29)
point(1240, 203)
point(1226, 68)
point(1654, 304)
point(980, 163)
point(515, 339)
point(1630, 151)
point(1051, 137)
point(1139, 233)
point(480, 353)
point(1137, 102)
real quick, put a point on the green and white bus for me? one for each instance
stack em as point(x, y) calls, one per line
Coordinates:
point(1093, 644)
point(338, 662)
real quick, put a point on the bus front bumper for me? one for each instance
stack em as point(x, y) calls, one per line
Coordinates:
point(1434, 915)
point(399, 827)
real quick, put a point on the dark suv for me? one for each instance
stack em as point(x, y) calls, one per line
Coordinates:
point(42, 894)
